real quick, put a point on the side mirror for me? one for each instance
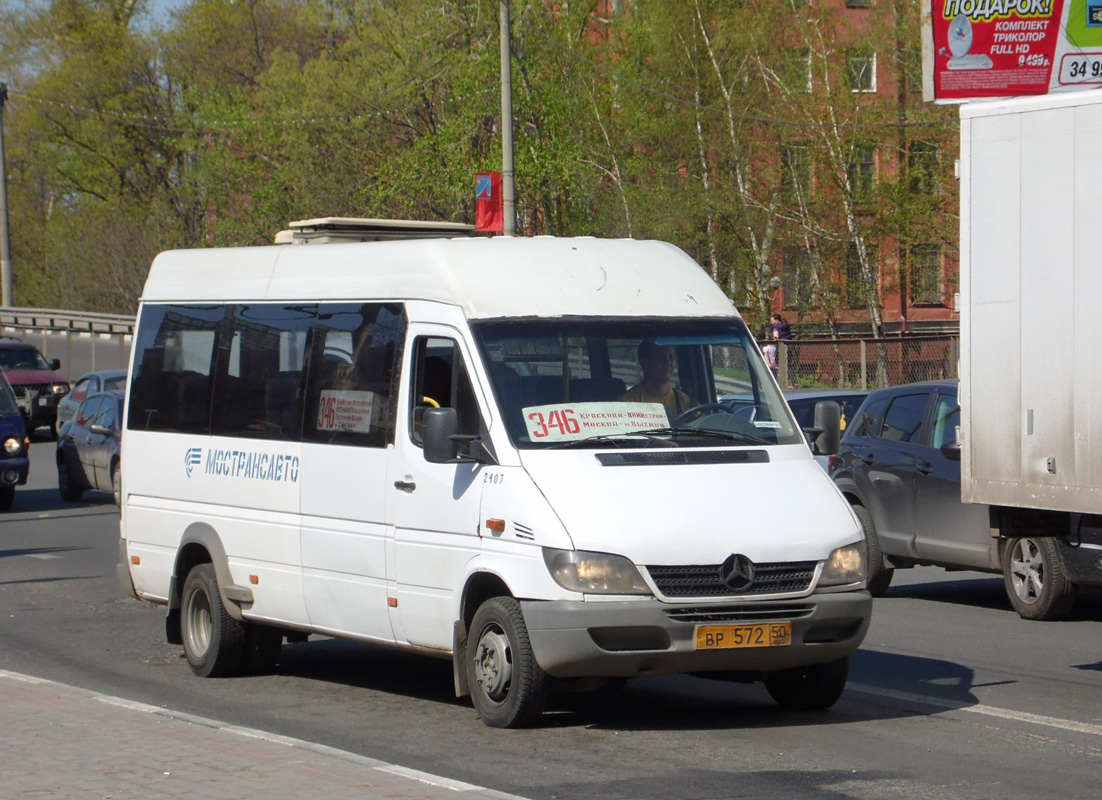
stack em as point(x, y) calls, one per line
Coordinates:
point(100, 430)
point(441, 424)
point(951, 450)
point(828, 420)
point(55, 364)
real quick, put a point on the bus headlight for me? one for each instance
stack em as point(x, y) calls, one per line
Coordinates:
point(845, 565)
point(594, 573)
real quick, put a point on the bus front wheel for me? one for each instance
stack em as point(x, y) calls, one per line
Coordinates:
point(508, 688)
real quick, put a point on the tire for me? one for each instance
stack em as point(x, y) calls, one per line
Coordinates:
point(70, 492)
point(214, 642)
point(7, 497)
point(263, 644)
point(116, 483)
point(508, 688)
point(1035, 580)
point(815, 687)
point(880, 575)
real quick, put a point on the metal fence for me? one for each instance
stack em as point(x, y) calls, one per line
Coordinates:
point(83, 342)
point(865, 363)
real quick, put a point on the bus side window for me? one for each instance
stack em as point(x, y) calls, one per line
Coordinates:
point(353, 350)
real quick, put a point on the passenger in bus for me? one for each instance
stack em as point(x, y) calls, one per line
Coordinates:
point(659, 365)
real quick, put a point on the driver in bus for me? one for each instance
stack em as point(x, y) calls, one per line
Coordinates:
point(659, 364)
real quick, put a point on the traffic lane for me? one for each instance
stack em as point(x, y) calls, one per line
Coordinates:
point(953, 637)
point(677, 736)
point(661, 737)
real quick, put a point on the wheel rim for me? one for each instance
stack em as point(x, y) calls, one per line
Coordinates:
point(198, 623)
point(116, 485)
point(1027, 571)
point(493, 663)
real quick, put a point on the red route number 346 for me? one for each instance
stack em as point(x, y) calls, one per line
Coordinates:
point(564, 421)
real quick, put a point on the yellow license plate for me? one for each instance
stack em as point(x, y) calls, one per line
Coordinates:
point(726, 637)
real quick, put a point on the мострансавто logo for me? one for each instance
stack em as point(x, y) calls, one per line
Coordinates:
point(192, 458)
point(242, 464)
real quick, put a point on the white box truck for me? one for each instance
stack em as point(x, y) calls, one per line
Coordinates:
point(1031, 338)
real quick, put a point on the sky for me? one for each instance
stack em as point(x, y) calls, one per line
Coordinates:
point(161, 8)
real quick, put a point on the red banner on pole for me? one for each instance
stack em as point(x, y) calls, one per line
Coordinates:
point(488, 211)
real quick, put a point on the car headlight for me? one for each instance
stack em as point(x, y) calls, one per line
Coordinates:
point(12, 445)
point(594, 573)
point(845, 565)
point(60, 388)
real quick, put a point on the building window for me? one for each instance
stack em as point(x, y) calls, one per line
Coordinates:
point(861, 173)
point(857, 289)
point(922, 166)
point(926, 275)
point(859, 3)
point(861, 69)
point(795, 174)
point(795, 72)
point(797, 277)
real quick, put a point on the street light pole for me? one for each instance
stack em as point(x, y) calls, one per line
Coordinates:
point(6, 283)
point(508, 191)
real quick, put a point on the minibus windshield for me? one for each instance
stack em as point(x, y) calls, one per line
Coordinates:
point(621, 382)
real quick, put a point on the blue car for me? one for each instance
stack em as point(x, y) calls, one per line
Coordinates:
point(15, 461)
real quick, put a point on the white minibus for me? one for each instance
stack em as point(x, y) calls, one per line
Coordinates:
point(506, 452)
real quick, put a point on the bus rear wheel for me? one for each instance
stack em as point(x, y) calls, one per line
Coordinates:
point(214, 642)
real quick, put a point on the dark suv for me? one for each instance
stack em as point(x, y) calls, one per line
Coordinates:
point(899, 466)
point(35, 381)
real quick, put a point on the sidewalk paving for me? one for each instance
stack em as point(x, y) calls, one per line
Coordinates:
point(59, 741)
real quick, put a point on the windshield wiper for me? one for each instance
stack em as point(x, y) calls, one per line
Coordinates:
point(614, 439)
point(728, 435)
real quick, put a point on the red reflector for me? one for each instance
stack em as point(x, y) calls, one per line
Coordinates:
point(392, 602)
point(135, 560)
point(254, 579)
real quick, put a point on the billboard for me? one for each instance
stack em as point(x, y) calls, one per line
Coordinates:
point(1006, 48)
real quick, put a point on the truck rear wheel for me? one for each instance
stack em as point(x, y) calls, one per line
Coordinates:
point(508, 688)
point(814, 687)
point(1035, 579)
point(214, 642)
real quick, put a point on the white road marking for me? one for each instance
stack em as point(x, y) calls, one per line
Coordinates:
point(980, 708)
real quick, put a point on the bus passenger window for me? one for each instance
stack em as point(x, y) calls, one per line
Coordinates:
point(352, 354)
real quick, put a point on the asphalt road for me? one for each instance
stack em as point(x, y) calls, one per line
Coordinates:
point(952, 695)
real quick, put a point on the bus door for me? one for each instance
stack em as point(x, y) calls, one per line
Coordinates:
point(348, 429)
point(433, 507)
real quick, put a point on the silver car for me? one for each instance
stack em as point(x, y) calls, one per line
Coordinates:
point(107, 380)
